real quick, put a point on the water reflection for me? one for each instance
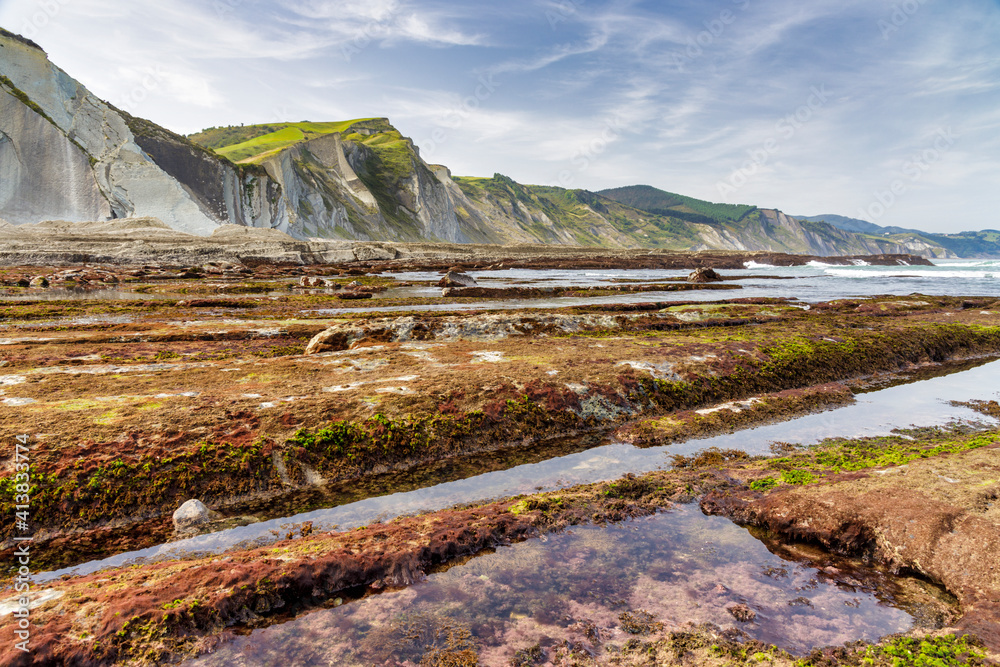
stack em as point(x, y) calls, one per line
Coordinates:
point(591, 589)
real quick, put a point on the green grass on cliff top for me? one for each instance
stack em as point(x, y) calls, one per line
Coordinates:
point(253, 142)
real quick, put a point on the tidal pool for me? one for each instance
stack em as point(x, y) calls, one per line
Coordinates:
point(592, 589)
point(581, 460)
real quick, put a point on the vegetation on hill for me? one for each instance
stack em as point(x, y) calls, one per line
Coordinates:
point(660, 202)
point(253, 143)
point(985, 243)
point(19, 38)
point(586, 218)
point(855, 225)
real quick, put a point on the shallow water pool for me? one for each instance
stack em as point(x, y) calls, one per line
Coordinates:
point(591, 590)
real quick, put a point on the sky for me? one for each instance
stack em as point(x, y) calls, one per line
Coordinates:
point(883, 110)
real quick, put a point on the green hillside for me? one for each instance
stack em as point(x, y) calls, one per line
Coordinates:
point(253, 143)
point(589, 219)
point(660, 202)
point(985, 243)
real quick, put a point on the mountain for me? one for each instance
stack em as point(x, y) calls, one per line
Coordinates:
point(744, 227)
point(979, 244)
point(66, 155)
point(856, 225)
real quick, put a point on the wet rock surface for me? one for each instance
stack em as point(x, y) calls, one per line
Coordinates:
point(936, 516)
point(222, 382)
point(457, 279)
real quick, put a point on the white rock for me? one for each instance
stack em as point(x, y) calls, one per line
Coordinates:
point(192, 514)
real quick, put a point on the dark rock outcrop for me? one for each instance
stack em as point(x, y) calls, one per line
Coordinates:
point(704, 275)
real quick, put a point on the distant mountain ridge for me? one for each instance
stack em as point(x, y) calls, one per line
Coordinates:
point(755, 228)
point(856, 225)
point(66, 155)
point(973, 244)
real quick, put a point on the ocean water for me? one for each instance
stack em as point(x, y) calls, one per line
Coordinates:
point(812, 283)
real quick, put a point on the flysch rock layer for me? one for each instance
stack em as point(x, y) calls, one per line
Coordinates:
point(128, 181)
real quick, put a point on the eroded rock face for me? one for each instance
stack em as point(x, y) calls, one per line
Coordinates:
point(42, 173)
point(935, 516)
point(99, 152)
point(65, 154)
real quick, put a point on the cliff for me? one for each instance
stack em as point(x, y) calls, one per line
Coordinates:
point(66, 155)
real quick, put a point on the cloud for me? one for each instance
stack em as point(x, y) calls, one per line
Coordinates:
point(384, 21)
point(552, 56)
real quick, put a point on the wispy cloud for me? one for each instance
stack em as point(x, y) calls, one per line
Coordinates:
point(552, 56)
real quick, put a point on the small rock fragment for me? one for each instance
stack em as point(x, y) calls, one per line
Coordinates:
point(312, 281)
point(742, 613)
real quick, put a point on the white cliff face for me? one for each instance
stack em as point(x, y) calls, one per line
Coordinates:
point(326, 197)
point(319, 185)
point(129, 180)
point(42, 173)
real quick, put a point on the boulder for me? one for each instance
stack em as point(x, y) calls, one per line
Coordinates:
point(331, 340)
point(453, 279)
point(192, 514)
point(704, 275)
point(39, 281)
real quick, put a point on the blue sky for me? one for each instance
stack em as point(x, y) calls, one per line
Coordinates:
point(884, 110)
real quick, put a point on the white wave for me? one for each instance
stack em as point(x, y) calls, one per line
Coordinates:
point(819, 265)
point(909, 272)
point(859, 262)
point(966, 264)
point(754, 265)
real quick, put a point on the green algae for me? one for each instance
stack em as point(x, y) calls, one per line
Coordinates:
point(945, 651)
point(839, 456)
point(120, 488)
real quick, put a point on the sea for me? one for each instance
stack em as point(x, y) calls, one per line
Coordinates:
point(811, 283)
